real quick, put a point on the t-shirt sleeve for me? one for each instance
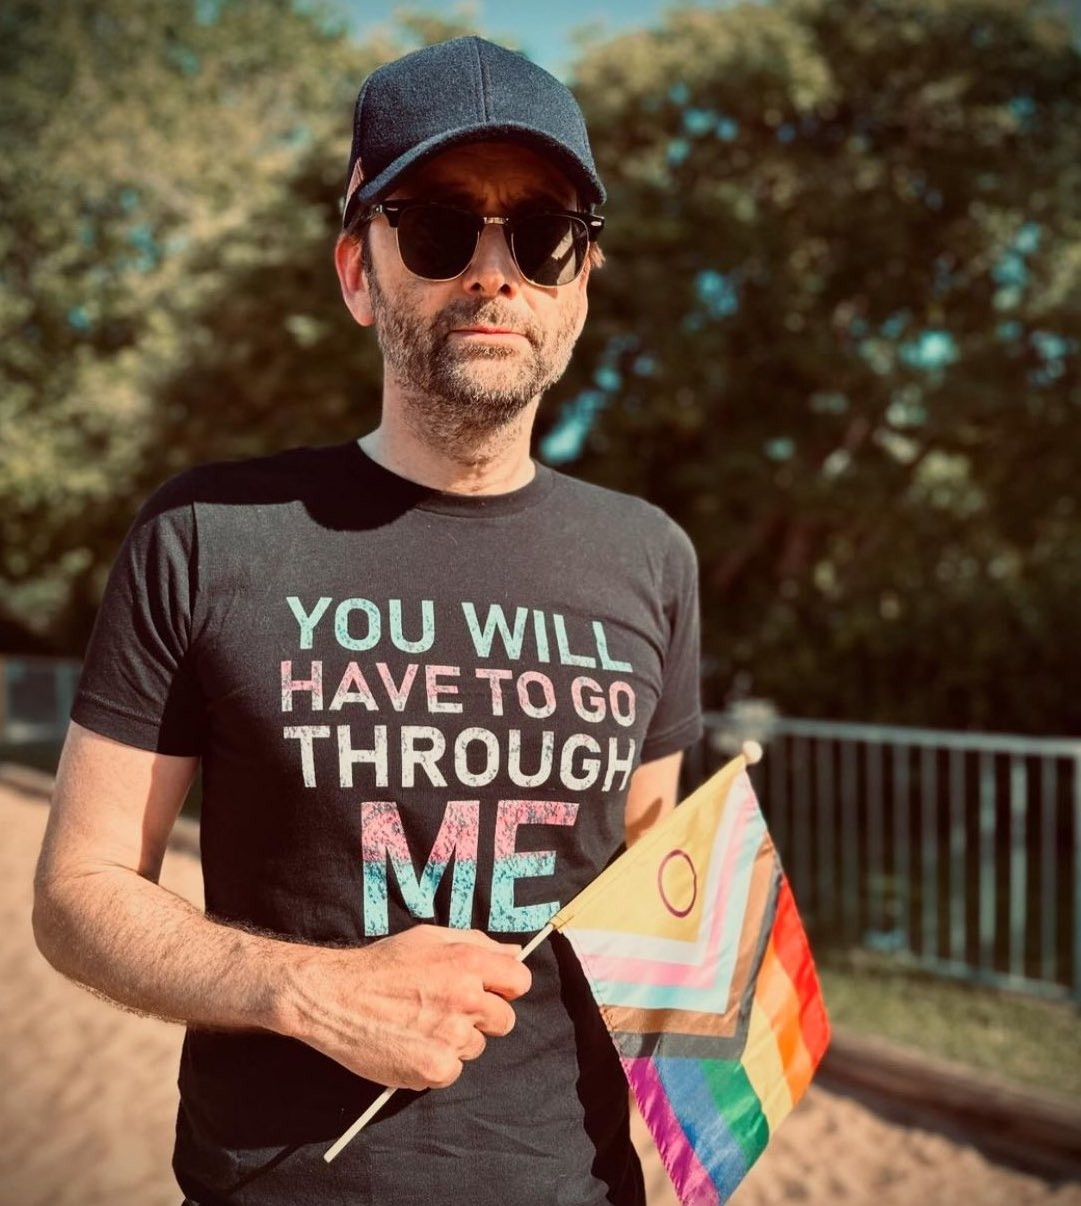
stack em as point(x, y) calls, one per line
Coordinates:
point(677, 721)
point(138, 684)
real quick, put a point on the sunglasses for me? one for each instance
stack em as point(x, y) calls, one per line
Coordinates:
point(438, 242)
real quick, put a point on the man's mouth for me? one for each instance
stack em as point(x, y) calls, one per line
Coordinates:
point(485, 325)
point(488, 331)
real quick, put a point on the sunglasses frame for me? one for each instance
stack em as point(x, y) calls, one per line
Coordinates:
point(393, 210)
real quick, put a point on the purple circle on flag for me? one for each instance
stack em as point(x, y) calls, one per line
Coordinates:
point(677, 854)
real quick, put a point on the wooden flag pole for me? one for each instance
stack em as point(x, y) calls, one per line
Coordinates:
point(388, 1093)
point(359, 1125)
point(752, 751)
point(533, 943)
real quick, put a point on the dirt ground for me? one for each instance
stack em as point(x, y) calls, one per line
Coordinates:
point(88, 1095)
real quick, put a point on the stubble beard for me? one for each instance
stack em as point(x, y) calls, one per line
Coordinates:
point(460, 397)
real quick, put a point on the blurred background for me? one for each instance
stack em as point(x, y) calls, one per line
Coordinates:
point(837, 338)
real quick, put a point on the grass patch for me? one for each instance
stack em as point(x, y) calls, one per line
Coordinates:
point(1026, 1040)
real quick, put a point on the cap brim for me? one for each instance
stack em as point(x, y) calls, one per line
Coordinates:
point(581, 175)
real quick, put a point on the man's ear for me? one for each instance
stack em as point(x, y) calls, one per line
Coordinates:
point(582, 285)
point(349, 261)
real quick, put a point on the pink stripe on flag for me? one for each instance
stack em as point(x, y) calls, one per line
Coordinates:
point(703, 974)
point(689, 1176)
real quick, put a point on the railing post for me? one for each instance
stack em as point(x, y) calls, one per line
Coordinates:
point(902, 839)
point(929, 852)
point(801, 822)
point(1077, 879)
point(1018, 863)
point(1048, 878)
point(987, 861)
point(779, 800)
point(850, 869)
point(826, 892)
point(876, 863)
point(958, 867)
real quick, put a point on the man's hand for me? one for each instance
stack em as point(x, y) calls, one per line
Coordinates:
point(406, 1011)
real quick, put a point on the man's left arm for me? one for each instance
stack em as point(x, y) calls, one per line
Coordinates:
point(652, 795)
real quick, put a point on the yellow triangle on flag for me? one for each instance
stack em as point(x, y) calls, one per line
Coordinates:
point(669, 867)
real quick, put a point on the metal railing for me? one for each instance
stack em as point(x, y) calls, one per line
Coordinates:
point(960, 852)
point(35, 698)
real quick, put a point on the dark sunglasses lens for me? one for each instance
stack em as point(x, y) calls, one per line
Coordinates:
point(435, 241)
point(550, 249)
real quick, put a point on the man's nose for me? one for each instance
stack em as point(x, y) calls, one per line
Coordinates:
point(492, 270)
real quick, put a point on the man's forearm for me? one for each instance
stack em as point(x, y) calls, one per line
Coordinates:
point(150, 951)
point(404, 1011)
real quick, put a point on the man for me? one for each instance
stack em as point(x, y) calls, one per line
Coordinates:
point(431, 685)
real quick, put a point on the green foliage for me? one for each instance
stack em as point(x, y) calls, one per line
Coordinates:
point(839, 339)
point(170, 176)
point(838, 335)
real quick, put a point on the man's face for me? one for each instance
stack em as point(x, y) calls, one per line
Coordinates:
point(466, 356)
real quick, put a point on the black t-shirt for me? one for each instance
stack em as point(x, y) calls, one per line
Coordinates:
point(409, 706)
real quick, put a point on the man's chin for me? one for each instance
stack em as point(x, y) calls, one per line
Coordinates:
point(502, 382)
point(489, 407)
point(461, 358)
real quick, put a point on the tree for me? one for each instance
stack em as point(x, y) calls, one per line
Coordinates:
point(170, 176)
point(839, 337)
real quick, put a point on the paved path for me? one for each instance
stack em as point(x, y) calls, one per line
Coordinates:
point(87, 1095)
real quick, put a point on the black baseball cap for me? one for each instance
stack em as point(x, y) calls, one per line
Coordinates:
point(465, 90)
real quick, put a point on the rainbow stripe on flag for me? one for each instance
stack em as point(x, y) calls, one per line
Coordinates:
point(700, 965)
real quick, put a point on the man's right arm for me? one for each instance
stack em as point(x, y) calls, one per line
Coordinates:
point(404, 1011)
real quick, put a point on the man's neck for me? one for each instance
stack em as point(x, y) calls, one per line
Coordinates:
point(495, 465)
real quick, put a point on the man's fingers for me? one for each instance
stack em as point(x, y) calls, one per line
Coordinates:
point(495, 1016)
point(480, 938)
point(441, 1071)
point(501, 973)
point(474, 1048)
